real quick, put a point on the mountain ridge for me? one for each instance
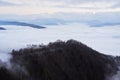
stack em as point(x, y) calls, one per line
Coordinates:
point(20, 24)
point(60, 60)
point(1, 28)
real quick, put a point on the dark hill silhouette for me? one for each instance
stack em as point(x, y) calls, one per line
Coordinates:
point(2, 28)
point(70, 60)
point(20, 24)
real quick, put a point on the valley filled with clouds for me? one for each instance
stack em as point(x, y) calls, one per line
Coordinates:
point(103, 39)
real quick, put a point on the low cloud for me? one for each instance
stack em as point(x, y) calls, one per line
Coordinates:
point(99, 38)
point(4, 3)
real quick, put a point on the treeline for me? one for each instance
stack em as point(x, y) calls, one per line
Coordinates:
point(60, 60)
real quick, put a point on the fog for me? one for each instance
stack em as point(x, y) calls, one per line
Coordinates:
point(105, 39)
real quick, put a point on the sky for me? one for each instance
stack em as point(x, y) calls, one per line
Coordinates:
point(28, 7)
point(43, 12)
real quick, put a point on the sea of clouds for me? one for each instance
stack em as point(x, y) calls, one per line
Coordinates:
point(105, 39)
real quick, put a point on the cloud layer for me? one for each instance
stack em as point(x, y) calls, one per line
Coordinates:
point(62, 2)
point(102, 39)
point(25, 7)
point(3, 3)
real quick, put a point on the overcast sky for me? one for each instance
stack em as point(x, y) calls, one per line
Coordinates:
point(28, 7)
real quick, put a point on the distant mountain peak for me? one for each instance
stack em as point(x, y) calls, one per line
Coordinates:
point(1, 28)
point(20, 24)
